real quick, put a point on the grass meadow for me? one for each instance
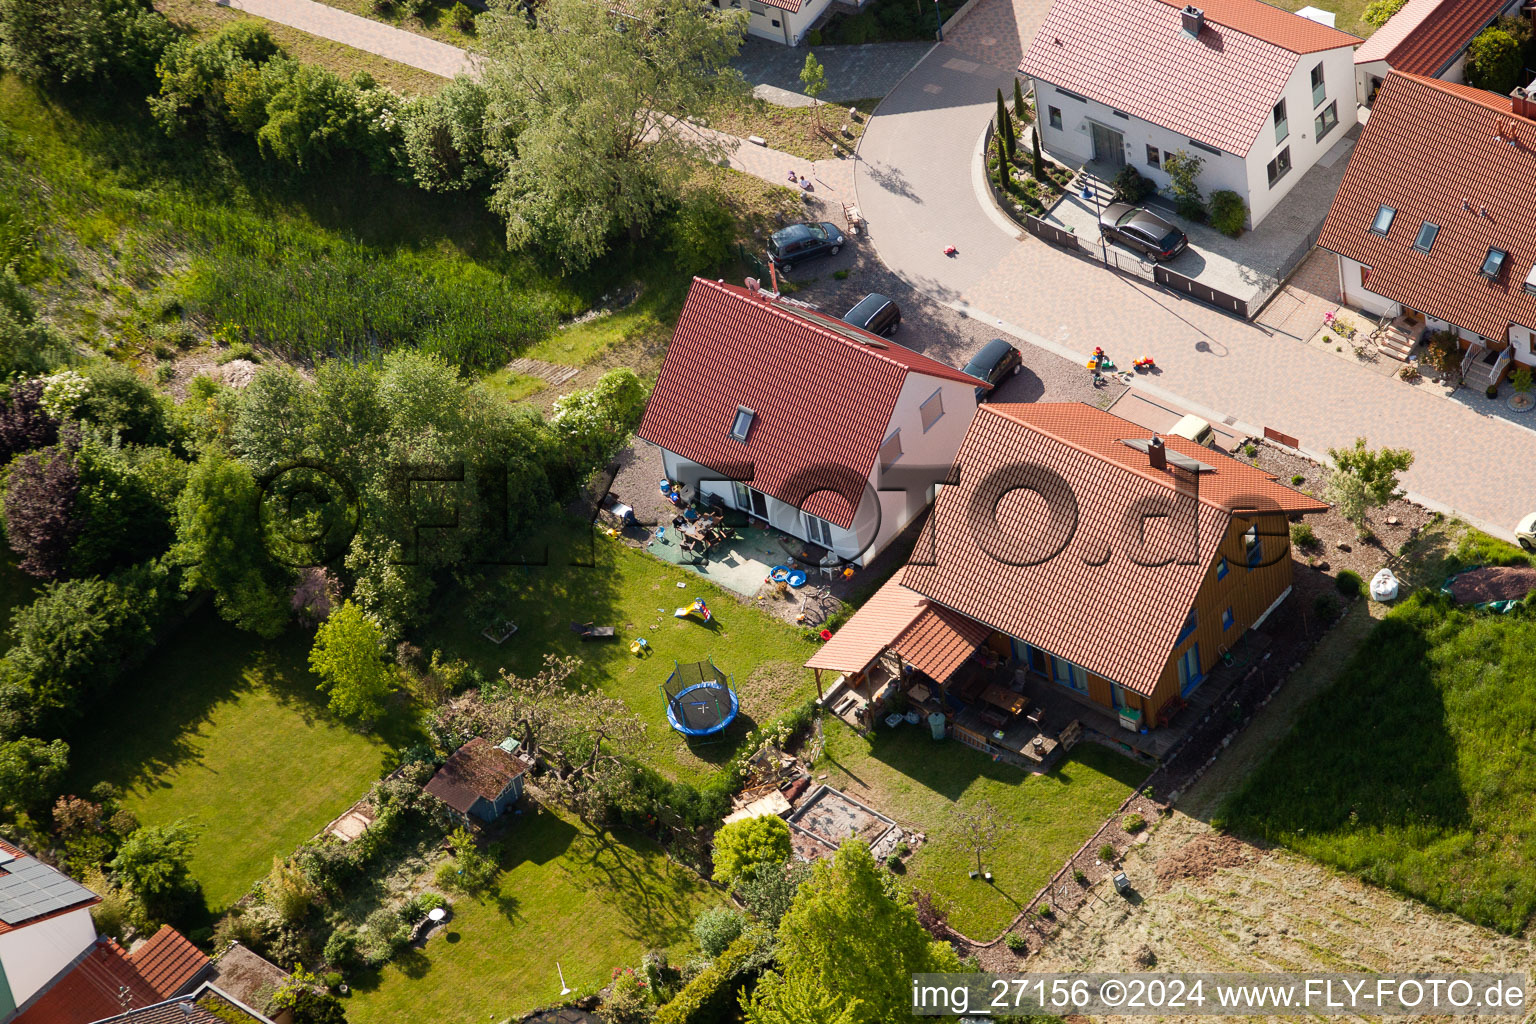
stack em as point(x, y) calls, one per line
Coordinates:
point(905, 774)
point(1417, 769)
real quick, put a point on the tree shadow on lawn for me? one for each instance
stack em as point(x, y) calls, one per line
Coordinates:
point(1371, 753)
point(654, 910)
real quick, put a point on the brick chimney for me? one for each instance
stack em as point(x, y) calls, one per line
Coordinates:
point(1523, 101)
point(1157, 456)
point(1192, 19)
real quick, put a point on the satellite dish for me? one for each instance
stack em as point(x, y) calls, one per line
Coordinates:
point(754, 285)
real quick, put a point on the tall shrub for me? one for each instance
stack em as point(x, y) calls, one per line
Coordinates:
point(1184, 182)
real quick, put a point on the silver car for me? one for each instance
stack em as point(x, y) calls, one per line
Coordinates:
point(1142, 230)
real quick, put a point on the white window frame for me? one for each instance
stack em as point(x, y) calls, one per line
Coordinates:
point(751, 416)
point(818, 530)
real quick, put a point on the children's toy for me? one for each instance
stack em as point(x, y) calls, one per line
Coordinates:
point(697, 610)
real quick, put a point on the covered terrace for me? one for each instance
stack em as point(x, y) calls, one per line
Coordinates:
point(878, 653)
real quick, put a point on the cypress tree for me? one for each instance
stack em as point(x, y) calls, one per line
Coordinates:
point(1039, 164)
point(1008, 137)
point(1002, 165)
point(1018, 101)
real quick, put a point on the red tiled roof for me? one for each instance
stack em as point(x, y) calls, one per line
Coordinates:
point(477, 769)
point(934, 639)
point(793, 6)
point(1090, 603)
point(1427, 35)
point(168, 960)
point(1132, 55)
point(1428, 146)
point(104, 983)
point(823, 399)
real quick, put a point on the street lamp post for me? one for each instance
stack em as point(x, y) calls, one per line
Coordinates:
point(1089, 192)
point(938, 15)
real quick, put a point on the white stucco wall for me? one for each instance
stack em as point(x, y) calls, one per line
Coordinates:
point(1364, 73)
point(927, 454)
point(1357, 295)
point(1301, 113)
point(33, 955)
point(768, 22)
point(880, 515)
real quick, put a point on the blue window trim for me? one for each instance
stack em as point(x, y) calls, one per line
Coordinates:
point(1222, 568)
point(1227, 620)
point(1197, 677)
point(1190, 625)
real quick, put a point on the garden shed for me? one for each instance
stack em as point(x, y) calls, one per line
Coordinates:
point(481, 779)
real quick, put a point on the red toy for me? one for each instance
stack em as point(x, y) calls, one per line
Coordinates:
point(951, 251)
point(1144, 363)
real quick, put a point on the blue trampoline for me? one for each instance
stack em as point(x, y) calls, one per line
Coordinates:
point(700, 699)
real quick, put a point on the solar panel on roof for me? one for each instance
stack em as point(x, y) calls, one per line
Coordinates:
point(32, 889)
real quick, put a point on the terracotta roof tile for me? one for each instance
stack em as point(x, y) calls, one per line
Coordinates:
point(1427, 35)
point(823, 399)
point(102, 984)
point(1090, 603)
point(934, 639)
point(1132, 55)
point(1428, 146)
point(168, 960)
point(477, 769)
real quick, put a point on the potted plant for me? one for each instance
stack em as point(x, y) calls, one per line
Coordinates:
point(1520, 380)
point(1492, 391)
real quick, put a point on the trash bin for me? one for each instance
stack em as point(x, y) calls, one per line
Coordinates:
point(936, 725)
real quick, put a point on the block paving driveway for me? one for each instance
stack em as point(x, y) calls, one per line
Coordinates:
point(919, 183)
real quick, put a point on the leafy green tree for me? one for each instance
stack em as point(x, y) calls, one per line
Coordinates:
point(444, 137)
point(1362, 479)
point(846, 943)
point(1494, 61)
point(219, 539)
point(813, 81)
point(311, 114)
point(599, 97)
point(743, 845)
point(768, 890)
point(594, 425)
point(215, 79)
point(81, 42)
point(796, 1000)
point(122, 405)
point(31, 771)
point(123, 507)
point(153, 864)
point(1184, 182)
point(702, 232)
point(348, 656)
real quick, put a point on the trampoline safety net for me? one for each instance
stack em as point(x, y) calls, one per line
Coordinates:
point(700, 700)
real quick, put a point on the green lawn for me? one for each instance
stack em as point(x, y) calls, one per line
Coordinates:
point(905, 774)
point(635, 592)
point(1417, 769)
point(1348, 12)
point(228, 732)
point(589, 901)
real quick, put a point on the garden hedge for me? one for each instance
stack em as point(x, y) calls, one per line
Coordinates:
point(707, 998)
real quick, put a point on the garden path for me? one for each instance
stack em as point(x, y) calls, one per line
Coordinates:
point(361, 33)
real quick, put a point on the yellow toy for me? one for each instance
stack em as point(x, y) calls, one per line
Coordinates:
point(698, 610)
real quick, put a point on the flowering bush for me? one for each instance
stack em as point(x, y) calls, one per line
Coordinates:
point(63, 392)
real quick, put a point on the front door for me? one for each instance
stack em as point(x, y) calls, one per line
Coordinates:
point(1189, 671)
point(1108, 146)
point(750, 500)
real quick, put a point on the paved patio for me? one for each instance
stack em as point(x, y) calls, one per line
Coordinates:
point(853, 72)
point(1250, 267)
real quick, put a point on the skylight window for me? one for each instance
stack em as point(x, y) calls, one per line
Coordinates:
point(1383, 222)
point(743, 424)
point(1493, 263)
point(1426, 239)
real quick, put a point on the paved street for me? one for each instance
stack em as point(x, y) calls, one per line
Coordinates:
point(853, 72)
point(918, 154)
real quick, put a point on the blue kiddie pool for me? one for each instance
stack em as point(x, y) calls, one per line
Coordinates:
point(795, 578)
point(700, 699)
point(779, 574)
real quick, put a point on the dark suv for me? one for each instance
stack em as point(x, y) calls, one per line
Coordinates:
point(1142, 230)
point(875, 314)
point(996, 360)
point(800, 242)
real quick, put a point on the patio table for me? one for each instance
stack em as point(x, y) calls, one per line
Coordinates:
point(1007, 700)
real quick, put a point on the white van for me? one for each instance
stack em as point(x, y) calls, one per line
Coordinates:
point(1193, 428)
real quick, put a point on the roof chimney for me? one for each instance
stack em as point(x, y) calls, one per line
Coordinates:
point(1157, 456)
point(1523, 101)
point(1192, 19)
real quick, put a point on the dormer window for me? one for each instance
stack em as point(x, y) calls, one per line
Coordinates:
point(1493, 263)
point(743, 424)
point(1383, 222)
point(1426, 239)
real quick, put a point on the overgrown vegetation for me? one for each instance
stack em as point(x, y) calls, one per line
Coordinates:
point(1413, 770)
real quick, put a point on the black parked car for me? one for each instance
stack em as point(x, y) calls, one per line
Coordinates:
point(800, 242)
point(875, 314)
point(1141, 230)
point(996, 360)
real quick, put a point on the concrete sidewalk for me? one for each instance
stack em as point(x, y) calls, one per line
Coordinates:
point(363, 33)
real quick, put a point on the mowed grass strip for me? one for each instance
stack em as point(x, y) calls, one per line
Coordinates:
point(637, 594)
point(919, 782)
point(589, 901)
point(227, 731)
point(1417, 770)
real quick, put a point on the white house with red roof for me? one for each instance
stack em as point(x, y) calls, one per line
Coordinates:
point(1425, 37)
point(1258, 93)
point(45, 924)
point(822, 430)
point(783, 21)
point(1433, 222)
